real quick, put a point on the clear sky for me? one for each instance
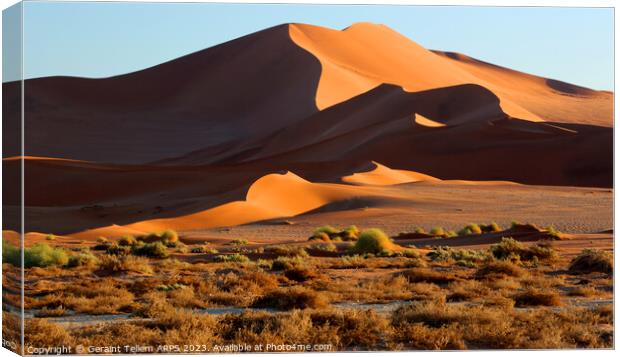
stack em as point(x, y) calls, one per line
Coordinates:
point(104, 39)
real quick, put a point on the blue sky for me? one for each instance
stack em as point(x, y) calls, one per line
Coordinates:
point(105, 39)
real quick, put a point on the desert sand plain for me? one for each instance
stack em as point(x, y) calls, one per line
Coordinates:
point(202, 183)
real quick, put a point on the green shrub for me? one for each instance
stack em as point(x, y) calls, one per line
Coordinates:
point(554, 233)
point(152, 250)
point(204, 250)
point(286, 263)
point(85, 259)
point(511, 249)
point(492, 227)
point(327, 247)
point(350, 233)
point(329, 230)
point(469, 229)
point(115, 249)
point(321, 236)
point(50, 237)
point(592, 260)
point(507, 248)
point(39, 255)
point(437, 231)
point(127, 241)
point(11, 254)
point(450, 234)
point(419, 230)
point(238, 242)
point(463, 257)
point(166, 236)
point(373, 241)
point(236, 258)
point(169, 235)
point(288, 251)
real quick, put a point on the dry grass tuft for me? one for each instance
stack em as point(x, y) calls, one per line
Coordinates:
point(500, 269)
point(293, 298)
point(534, 297)
point(592, 260)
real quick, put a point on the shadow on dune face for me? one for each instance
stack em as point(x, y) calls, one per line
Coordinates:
point(568, 88)
point(213, 96)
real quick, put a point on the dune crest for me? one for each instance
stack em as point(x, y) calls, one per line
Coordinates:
point(271, 196)
point(364, 55)
point(380, 175)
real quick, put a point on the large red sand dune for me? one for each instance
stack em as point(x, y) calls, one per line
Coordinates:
point(188, 143)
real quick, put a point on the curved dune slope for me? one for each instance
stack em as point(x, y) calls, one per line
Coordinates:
point(382, 175)
point(271, 196)
point(234, 96)
point(365, 55)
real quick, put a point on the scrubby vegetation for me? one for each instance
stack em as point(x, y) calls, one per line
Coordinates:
point(592, 260)
point(329, 233)
point(373, 241)
point(469, 229)
point(510, 249)
point(237, 258)
point(153, 250)
point(39, 255)
point(512, 295)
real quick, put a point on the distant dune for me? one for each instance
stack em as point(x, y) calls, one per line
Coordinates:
point(202, 141)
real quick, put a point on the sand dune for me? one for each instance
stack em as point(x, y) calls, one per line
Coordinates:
point(289, 74)
point(272, 196)
point(381, 175)
point(197, 142)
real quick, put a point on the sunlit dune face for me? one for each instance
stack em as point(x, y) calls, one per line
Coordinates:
point(363, 56)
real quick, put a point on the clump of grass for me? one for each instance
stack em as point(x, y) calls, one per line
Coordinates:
point(300, 274)
point(350, 233)
point(286, 263)
point(329, 233)
point(152, 250)
point(583, 291)
point(437, 231)
point(204, 250)
point(115, 249)
point(83, 259)
point(129, 263)
point(421, 275)
point(532, 297)
point(321, 236)
point(491, 227)
point(39, 255)
point(554, 233)
point(419, 230)
point(511, 249)
point(592, 260)
point(127, 241)
point(51, 312)
point(500, 268)
point(468, 258)
point(323, 231)
point(167, 236)
point(373, 241)
point(327, 247)
point(235, 258)
point(470, 229)
point(293, 298)
point(288, 251)
point(50, 237)
point(238, 242)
